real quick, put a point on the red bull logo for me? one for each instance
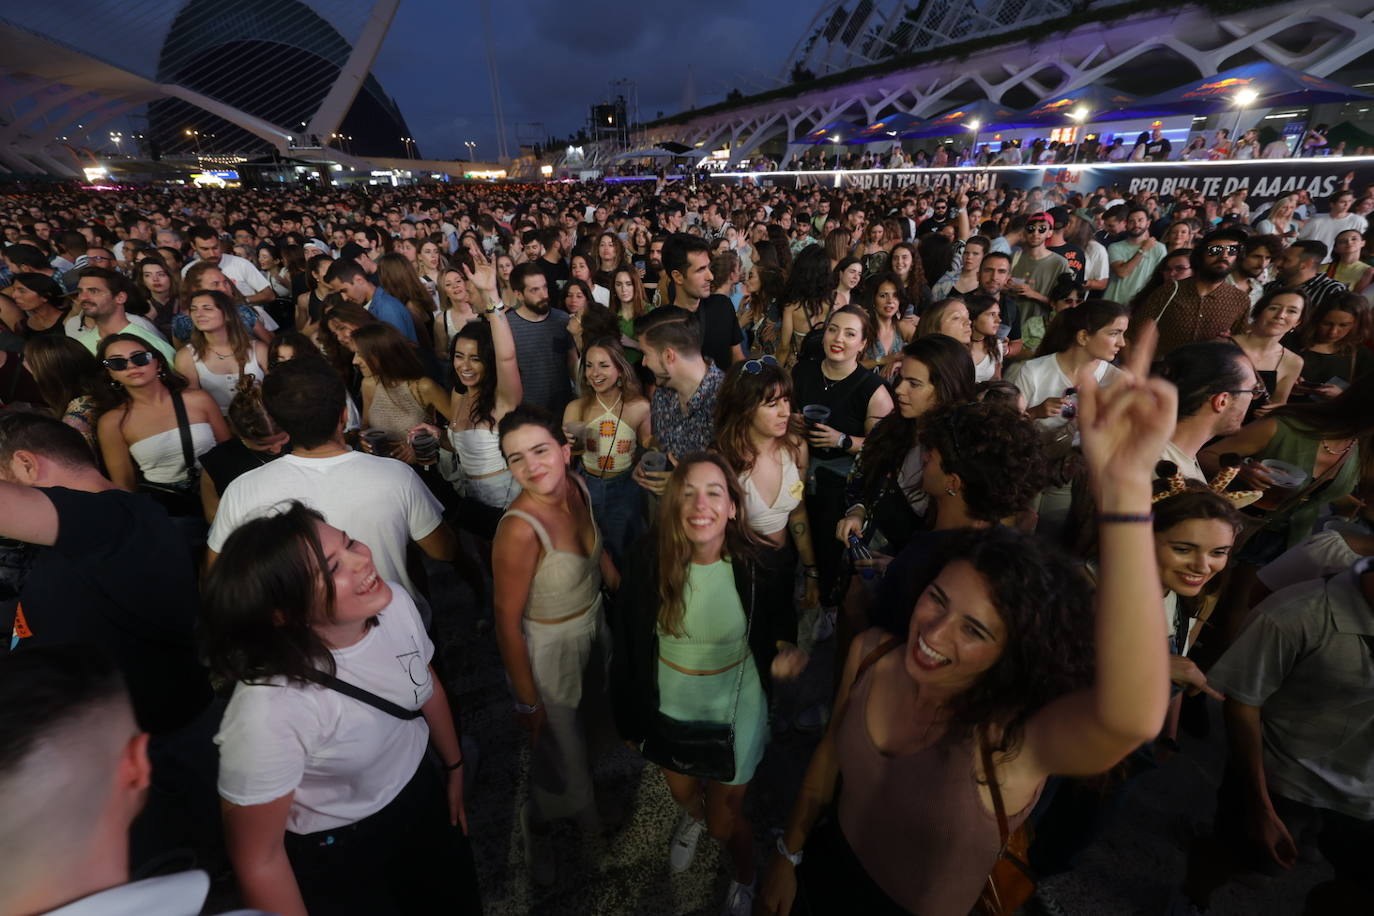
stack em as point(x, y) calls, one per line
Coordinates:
point(1055, 106)
point(1216, 87)
point(952, 116)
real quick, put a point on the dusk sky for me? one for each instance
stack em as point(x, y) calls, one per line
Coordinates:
point(556, 58)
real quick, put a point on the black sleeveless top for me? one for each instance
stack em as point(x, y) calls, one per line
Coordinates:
point(847, 399)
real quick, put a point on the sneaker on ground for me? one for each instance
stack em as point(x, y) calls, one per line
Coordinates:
point(684, 845)
point(740, 900)
point(538, 849)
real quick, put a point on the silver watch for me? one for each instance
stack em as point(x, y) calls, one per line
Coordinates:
point(794, 857)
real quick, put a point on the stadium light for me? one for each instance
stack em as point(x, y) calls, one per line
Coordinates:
point(1244, 99)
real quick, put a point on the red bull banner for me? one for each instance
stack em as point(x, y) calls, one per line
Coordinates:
point(1264, 179)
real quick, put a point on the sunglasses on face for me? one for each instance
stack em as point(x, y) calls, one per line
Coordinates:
point(1214, 250)
point(120, 363)
point(1037, 227)
point(755, 366)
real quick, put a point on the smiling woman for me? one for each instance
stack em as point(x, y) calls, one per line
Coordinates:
point(357, 817)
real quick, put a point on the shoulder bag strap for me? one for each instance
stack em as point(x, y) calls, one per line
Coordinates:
point(1168, 303)
point(188, 453)
point(748, 650)
point(884, 646)
point(355, 692)
point(990, 774)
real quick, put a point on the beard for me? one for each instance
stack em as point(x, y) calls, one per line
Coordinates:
point(1211, 272)
point(539, 308)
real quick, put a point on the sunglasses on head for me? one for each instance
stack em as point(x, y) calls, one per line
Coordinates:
point(120, 363)
point(755, 366)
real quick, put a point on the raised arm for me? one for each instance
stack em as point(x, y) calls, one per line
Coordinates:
point(509, 390)
point(1124, 429)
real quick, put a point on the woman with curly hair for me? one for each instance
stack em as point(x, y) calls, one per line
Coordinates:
point(884, 491)
point(906, 264)
point(806, 302)
point(1005, 675)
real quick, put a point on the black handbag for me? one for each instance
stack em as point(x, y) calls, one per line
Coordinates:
point(704, 750)
point(181, 500)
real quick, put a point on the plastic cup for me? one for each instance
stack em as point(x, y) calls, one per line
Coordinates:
point(576, 431)
point(654, 461)
point(377, 440)
point(815, 413)
point(1288, 479)
point(426, 447)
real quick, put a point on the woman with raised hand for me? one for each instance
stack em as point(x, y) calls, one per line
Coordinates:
point(548, 565)
point(339, 764)
point(1008, 675)
point(695, 646)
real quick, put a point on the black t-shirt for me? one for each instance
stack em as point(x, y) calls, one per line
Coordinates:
point(847, 399)
point(1158, 150)
point(719, 327)
point(907, 576)
point(555, 272)
point(121, 577)
point(1078, 261)
point(231, 459)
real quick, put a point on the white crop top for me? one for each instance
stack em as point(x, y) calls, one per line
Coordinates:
point(766, 519)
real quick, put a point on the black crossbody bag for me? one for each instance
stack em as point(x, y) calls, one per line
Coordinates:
point(704, 750)
point(353, 691)
point(179, 499)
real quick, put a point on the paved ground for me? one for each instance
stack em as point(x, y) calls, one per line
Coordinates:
point(1132, 869)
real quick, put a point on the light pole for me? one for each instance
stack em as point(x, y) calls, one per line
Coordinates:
point(472, 149)
point(974, 126)
point(116, 137)
point(410, 146)
point(1079, 115)
point(1244, 99)
point(196, 135)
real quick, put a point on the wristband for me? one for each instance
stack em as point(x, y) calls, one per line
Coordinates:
point(525, 710)
point(453, 766)
point(1124, 518)
point(811, 572)
point(794, 857)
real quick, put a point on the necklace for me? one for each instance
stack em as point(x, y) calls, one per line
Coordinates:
point(221, 355)
point(1330, 451)
point(827, 382)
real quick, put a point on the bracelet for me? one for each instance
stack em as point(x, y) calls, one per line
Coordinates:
point(453, 766)
point(1124, 518)
point(528, 710)
point(811, 572)
point(794, 857)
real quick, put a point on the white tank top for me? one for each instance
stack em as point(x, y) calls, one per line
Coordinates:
point(766, 519)
point(221, 387)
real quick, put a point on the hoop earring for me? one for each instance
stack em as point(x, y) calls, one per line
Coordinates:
point(115, 385)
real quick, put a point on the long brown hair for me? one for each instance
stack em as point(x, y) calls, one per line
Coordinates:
point(741, 394)
point(388, 355)
point(629, 381)
point(239, 341)
point(675, 552)
point(638, 305)
point(64, 370)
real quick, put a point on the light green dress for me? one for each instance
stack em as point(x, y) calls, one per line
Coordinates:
point(1296, 445)
point(714, 625)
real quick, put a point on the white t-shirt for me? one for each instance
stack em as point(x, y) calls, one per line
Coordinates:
point(378, 501)
point(243, 273)
point(1096, 264)
point(1041, 378)
point(344, 759)
point(1324, 229)
point(1323, 554)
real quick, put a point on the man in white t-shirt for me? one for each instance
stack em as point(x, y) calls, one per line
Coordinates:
point(378, 501)
point(242, 273)
point(1325, 227)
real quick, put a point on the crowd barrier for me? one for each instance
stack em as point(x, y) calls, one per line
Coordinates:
point(1265, 179)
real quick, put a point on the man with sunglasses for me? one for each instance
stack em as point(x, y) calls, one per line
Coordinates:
point(1203, 306)
point(1035, 268)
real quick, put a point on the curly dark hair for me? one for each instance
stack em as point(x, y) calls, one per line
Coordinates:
point(996, 451)
point(1046, 604)
point(808, 285)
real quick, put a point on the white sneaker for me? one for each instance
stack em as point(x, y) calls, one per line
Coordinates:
point(740, 900)
point(684, 845)
point(538, 849)
point(825, 625)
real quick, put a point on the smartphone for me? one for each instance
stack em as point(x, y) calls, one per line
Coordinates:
point(1338, 382)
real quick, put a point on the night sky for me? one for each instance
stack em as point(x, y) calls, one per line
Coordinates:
point(555, 58)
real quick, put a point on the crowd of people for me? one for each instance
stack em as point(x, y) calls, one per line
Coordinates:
point(1147, 146)
point(1054, 477)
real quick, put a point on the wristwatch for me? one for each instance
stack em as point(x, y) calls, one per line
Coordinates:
point(845, 441)
point(794, 857)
